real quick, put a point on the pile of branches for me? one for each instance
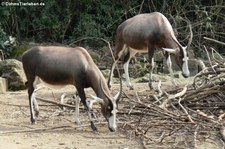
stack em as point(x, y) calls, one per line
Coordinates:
point(191, 110)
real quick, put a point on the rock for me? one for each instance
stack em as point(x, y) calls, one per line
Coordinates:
point(3, 85)
point(12, 70)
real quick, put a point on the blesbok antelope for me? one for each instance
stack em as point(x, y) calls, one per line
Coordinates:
point(144, 33)
point(60, 66)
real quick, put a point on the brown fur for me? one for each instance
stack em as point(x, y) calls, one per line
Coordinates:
point(64, 66)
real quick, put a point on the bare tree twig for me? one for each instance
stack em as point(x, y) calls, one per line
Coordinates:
point(170, 97)
point(185, 111)
point(214, 40)
point(210, 61)
point(141, 6)
point(49, 128)
point(54, 102)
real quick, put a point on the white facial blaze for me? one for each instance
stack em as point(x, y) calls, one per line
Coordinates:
point(112, 119)
point(185, 69)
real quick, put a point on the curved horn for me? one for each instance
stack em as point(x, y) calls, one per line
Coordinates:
point(104, 90)
point(119, 94)
point(191, 34)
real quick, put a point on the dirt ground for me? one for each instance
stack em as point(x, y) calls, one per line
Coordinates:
point(56, 129)
point(53, 129)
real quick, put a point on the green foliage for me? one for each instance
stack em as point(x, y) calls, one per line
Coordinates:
point(19, 50)
point(70, 21)
point(6, 43)
point(97, 20)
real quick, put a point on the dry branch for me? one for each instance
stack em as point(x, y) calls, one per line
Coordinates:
point(55, 102)
point(197, 105)
point(48, 128)
point(170, 97)
point(214, 40)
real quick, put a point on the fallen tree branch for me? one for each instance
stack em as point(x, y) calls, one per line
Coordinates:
point(49, 128)
point(205, 116)
point(55, 102)
point(185, 111)
point(214, 40)
point(170, 97)
point(35, 129)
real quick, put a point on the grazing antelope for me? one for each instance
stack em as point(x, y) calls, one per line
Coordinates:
point(144, 33)
point(60, 66)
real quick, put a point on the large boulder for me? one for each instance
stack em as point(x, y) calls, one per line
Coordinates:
point(12, 70)
point(3, 85)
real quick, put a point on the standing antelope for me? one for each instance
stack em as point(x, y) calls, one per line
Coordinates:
point(144, 33)
point(60, 66)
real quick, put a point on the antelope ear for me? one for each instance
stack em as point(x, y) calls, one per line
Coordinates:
point(169, 50)
point(100, 100)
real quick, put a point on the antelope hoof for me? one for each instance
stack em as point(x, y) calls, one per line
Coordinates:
point(112, 130)
point(33, 121)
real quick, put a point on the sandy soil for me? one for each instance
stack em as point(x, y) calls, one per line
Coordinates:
point(57, 130)
point(54, 129)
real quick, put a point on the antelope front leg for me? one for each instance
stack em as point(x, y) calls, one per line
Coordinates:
point(77, 118)
point(90, 116)
point(36, 107)
point(151, 67)
point(169, 65)
point(125, 67)
point(83, 100)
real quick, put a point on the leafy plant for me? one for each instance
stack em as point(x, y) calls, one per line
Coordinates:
point(68, 21)
point(7, 43)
